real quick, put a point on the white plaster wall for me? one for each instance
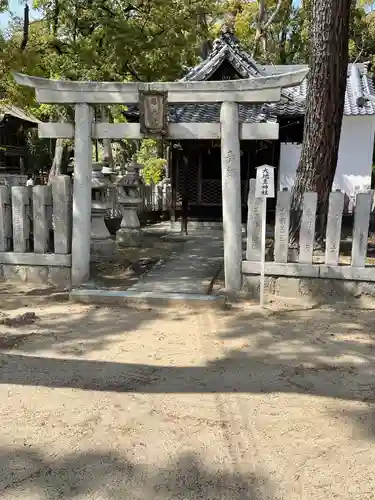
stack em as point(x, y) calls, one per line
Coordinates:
point(353, 172)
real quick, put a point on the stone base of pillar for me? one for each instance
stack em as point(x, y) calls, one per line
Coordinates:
point(129, 234)
point(127, 237)
point(173, 224)
point(102, 250)
point(102, 246)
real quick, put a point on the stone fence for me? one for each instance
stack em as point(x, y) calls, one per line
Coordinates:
point(35, 233)
point(343, 265)
point(12, 180)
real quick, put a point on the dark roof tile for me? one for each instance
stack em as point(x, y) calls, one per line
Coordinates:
point(292, 102)
point(227, 47)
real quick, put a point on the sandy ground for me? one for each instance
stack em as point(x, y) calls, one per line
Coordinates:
point(101, 403)
point(128, 264)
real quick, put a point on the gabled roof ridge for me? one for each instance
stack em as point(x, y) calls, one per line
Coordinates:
point(226, 44)
point(234, 43)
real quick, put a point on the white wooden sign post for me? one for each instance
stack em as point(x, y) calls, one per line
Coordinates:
point(264, 188)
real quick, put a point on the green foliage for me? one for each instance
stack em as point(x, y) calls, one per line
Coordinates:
point(39, 152)
point(136, 40)
point(132, 40)
point(117, 112)
point(284, 41)
point(153, 166)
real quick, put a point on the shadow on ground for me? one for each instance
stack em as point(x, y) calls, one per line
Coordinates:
point(318, 352)
point(68, 329)
point(324, 352)
point(116, 477)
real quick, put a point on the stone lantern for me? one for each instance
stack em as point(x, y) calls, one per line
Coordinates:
point(128, 185)
point(102, 245)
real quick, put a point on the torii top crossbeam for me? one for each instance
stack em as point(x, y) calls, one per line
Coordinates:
point(262, 89)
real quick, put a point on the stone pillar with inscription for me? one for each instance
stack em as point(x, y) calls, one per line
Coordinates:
point(231, 193)
point(360, 229)
point(334, 222)
point(282, 222)
point(254, 224)
point(307, 231)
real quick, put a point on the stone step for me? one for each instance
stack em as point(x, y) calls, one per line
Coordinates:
point(146, 299)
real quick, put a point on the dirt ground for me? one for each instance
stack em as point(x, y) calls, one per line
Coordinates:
point(128, 264)
point(110, 404)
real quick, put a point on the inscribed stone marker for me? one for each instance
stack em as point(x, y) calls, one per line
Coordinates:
point(254, 224)
point(282, 226)
point(21, 218)
point(334, 221)
point(307, 231)
point(42, 199)
point(361, 228)
point(5, 219)
point(62, 213)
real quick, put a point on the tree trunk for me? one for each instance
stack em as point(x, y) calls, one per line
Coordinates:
point(285, 30)
point(26, 23)
point(329, 38)
point(56, 168)
point(107, 144)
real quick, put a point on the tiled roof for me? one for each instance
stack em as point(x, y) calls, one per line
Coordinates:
point(211, 113)
point(227, 47)
point(292, 103)
point(9, 110)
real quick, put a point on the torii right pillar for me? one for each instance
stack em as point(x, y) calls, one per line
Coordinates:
point(231, 194)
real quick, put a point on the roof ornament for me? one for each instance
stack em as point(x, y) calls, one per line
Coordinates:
point(228, 25)
point(367, 67)
point(356, 84)
point(226, 29)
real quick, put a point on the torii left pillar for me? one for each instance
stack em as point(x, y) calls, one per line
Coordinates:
point(231, 193)
point(82, 194)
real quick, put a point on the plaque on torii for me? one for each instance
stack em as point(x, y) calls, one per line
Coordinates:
point(153, 113)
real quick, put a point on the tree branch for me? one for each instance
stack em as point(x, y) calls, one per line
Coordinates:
point(132, 71)
point(25, 38)
point(273, 15)
point(56, 13)
point(263, 23)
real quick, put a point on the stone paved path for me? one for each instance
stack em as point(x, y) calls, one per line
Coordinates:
point(189, 269)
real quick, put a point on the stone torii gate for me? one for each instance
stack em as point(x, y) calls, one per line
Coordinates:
point(153, 99)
